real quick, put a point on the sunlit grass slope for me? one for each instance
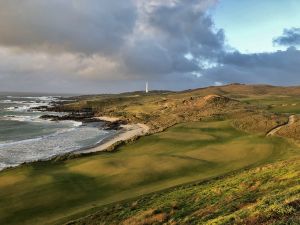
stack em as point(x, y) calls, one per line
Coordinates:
point(45, 192)
point(265, 195)
point(277, 104)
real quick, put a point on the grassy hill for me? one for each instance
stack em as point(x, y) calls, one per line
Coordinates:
point(184, 153)
point(237, 90)
point(268, 194)
point(196, 135)
point(160, 110)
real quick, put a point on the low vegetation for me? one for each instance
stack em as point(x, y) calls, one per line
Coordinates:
point(278, 104)
point(187, 152)
point(196, 135)
point(268, 194)
point(291, 130)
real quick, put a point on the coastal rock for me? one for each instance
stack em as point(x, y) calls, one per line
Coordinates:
point(82, 117)
point(116, 125)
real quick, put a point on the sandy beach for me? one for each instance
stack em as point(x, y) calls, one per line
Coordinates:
point(127, 132)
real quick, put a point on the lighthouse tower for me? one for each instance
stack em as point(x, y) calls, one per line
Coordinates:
point(147, 90)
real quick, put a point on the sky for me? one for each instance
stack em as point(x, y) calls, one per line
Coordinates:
point(111, 46)
point(251, 25)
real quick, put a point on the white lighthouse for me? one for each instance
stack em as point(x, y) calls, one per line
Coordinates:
point(147, 90)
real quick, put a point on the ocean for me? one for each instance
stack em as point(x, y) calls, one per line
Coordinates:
point(24, 137)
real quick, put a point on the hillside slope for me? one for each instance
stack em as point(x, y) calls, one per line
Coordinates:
point(241, 90)
point(196, 135)
point(188, 152)
point(268, 194)
point(160, 111)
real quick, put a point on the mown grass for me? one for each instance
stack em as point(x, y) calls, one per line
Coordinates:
point(265, 195)
point(277, 104)
point(46, 192)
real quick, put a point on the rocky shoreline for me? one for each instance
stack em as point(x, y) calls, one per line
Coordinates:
point(125, 133)
point(85, 115)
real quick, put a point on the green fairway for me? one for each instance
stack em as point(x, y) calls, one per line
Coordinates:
point(48, 192)
point(278, 104)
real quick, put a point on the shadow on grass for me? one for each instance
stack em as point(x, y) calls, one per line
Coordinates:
point(66, 190)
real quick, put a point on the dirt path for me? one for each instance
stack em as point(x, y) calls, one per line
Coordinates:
point(292, 119)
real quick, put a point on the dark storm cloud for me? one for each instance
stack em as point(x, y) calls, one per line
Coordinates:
point(75, 25)
point(100, 40)
point(288, 59)
point(290, 37)
point(174, 30)
point(186, 28)
point(116, 45)
point(277, 68)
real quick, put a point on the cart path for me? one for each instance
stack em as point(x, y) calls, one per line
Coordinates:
point(292, 119)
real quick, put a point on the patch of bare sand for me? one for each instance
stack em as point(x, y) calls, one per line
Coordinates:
point(128, 131)
point(108, 119)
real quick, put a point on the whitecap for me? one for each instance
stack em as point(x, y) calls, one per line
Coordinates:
point(48, 146)
point(5, 101)
point(25, 106)
point(24, 118)
point(40, 98)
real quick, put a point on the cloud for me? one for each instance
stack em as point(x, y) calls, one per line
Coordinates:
point(290, 37)
point(277, 68)
point(169, 31)
point(105, 41)
point(111, 46)
point(93, 26)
